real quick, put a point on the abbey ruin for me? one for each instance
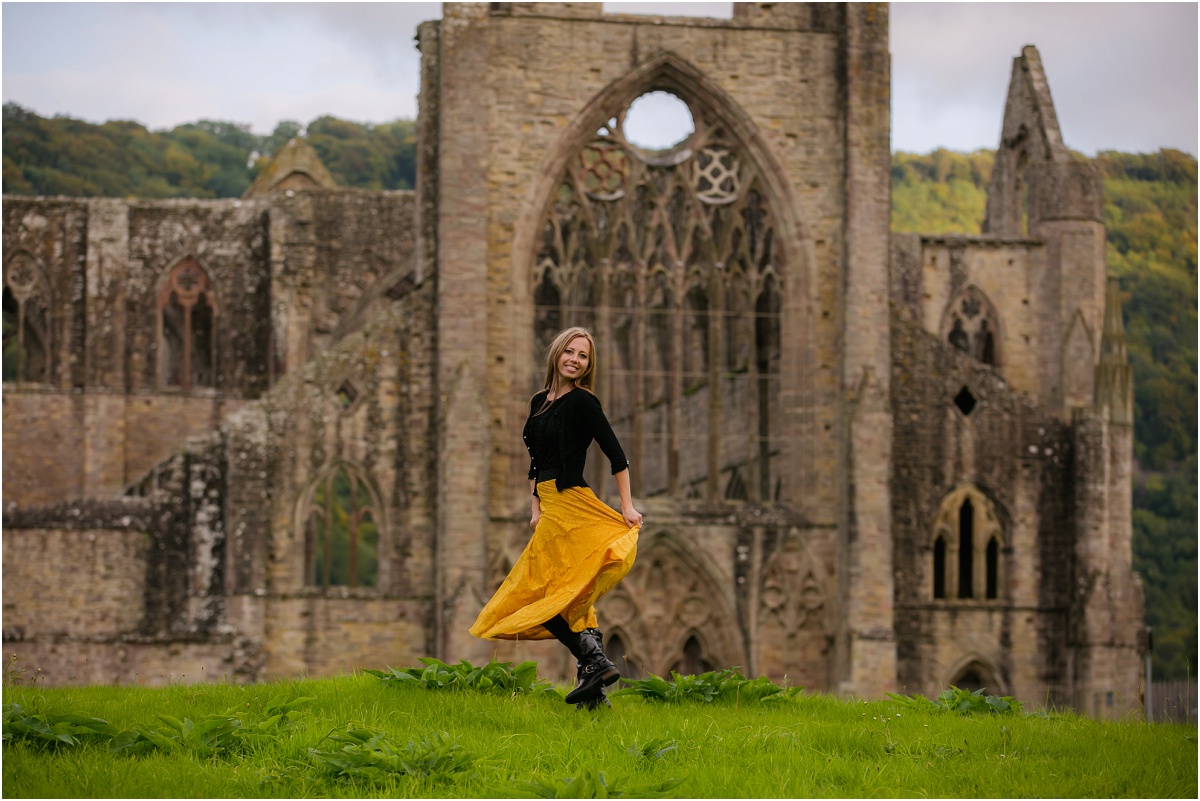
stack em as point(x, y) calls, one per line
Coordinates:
point(256, 438)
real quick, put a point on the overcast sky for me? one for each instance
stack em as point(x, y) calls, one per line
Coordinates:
point(1123, 75)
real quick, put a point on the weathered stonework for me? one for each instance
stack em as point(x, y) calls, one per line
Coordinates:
point(867, 462)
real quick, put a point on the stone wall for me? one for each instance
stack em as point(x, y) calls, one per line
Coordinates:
point(782, 82)
point(1019, 458)
point(292, 273)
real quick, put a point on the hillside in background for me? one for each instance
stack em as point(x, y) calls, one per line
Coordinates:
point(205, 159)
point(1150, 212)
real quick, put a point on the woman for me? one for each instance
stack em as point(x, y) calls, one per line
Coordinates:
point(580, 547)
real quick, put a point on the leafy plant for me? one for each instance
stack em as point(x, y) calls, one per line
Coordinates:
point(375, 757)
point(51, 729)
point(728, 684)
point(496, 677)
point(589, 784)
point(652, 750)
point(275, 717)
point(964, 702)
point(210, 734)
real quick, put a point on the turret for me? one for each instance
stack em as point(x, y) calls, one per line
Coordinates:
point(1114, 379)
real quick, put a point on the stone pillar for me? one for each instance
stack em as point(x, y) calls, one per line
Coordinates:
point(866, 657)
point(461, 288)
point(103, 404)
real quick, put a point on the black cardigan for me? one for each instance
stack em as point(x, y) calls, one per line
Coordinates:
point(559, 438)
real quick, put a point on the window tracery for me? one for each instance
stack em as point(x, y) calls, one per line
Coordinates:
point(187, 311)
point(670, 258)
point(27, 334)
point(972, 326)
point(965, 546)
point(342, 533)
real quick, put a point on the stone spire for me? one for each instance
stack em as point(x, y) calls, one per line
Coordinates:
point(1114, 379)
point(1034, 173)
point(295, 166)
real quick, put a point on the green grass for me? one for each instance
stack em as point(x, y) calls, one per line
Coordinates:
point(500, 745)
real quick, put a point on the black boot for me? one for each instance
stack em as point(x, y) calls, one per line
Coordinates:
point(595, 670)
point(596, 701)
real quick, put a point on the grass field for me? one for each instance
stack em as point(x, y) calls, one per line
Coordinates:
point(359, 736)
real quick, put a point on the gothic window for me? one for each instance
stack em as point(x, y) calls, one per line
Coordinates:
point(618, 652)
point(939, 567)
point(966, 549)
point(187, 310)
point(342, 533)
point(693, 661)
point(992, 558)
point(671, 258)
point(971, 325)
point(966, 543)
point(971, 678)
point(27, 345)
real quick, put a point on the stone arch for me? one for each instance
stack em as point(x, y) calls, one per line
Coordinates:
point(186, 311)
point(793, 614)
point(672, 594)
point(967, 520)
point(718, 199)
point(972, 324)
point(974, 671)
point(344, 529)
point(28, 326)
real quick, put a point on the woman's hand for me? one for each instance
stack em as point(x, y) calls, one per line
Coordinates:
point(632, 516)
point(536, 515)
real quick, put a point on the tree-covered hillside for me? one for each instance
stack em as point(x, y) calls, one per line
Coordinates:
point(1150, 216)
point(1150, 213)
point(205, 159)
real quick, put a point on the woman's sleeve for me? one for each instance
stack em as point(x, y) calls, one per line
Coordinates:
point(597, 423)
point(534, 405)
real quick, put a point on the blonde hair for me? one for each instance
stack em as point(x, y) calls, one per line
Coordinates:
point(555, 351)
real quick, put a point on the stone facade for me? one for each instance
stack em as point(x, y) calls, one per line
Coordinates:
point(867, 462)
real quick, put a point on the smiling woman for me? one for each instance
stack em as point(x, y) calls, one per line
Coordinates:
point(580, 547)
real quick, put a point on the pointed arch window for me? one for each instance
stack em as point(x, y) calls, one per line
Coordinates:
point(939, 567)
point(992, 569)
point(972, 325)
point(342, 531)
point(693, 660)
point(187, 313)
point(966, 549)
point(671, 257)
point(618, 651)
point(965, 546)
point(27, 333)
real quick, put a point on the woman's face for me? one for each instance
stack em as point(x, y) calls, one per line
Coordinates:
point(574, 361)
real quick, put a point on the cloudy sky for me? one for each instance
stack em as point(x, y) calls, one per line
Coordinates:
point(1123, 75)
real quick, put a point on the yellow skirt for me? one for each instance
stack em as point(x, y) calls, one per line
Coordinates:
point(579, 551)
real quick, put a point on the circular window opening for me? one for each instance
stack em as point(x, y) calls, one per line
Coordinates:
point(657, 121)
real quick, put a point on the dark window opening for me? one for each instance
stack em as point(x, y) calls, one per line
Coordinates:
point(966, 553)
point(939, 568)
point(970, 679)
point(993, 568)
point(618, 652)
point(346, 394)
point(26, 323)
point(965, 401)
point(694, 661)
